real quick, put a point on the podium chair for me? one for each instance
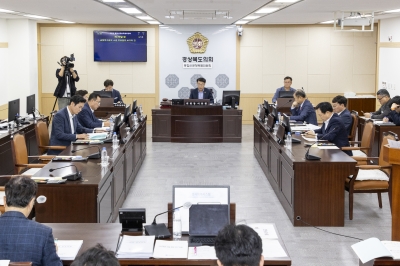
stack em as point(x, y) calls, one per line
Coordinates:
point(354, 126)
point(42, 138)
point(365, 145)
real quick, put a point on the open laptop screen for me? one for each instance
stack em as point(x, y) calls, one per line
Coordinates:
point(207, 219)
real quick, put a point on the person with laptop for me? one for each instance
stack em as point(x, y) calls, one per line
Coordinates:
point(383, 96)
point(302, 109)
point(201, 92)
point(339, 104)
point(109, 86)
point(86, 117)
point(239, 245)
point(287, 83)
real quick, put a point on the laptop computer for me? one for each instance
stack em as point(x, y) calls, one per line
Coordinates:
point(205, 221)
point(107, 102)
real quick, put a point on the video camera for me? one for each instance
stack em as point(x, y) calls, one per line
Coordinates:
point(68, 61)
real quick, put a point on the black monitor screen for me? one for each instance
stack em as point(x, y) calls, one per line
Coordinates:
point(227, 97)
point(134, 105)
point(127, 113)
point(117, 123)
point(30, 104)
point(13, 109)
point(286, 123)
point(104, 94)
point(274, 113)
point(286, 94)
point(266, 107)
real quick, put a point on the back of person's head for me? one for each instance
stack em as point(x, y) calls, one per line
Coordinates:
point(81, 92)
point(287, 77)
point(20, 191)
point(395, 99)
point(300, 93)
point(76, 99)
point(201, 80)
point(383, 92)
point(340, 100)
point(324, 107)
point(96, 256)
point(238, 245)
point(93, 96)
point(108, 82)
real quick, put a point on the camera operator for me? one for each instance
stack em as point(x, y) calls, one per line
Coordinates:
point(67, 77)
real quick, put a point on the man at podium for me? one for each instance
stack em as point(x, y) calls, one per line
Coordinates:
point(287, 83)
point(201, 92)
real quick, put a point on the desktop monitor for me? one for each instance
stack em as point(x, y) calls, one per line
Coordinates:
point(262, 115)
point(117, 123)
point(274, 112)
point(127, 113)
point(286, 124)
point(134, 106)
point(280, 134)
point(270, 123)
point(104, 94)
point(30, 105)
point(13, 109)
point(227, 97)
point(286, 94)
point(266, 107)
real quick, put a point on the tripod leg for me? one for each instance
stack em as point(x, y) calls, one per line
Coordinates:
point(51, 114)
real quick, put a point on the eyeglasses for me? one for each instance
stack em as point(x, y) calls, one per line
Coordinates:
point(381, 98)
point(98, 102)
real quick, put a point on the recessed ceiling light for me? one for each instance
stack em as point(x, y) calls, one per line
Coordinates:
point(241, 22)
point(130, 10)
point(251, 17)
point(64, 21)
point(144, 17)
point(285, 1)
point(392, 11)
point(153, 22)
point(36, 16)
point(266, 10)
point(6, 11)
point(113, 1)
point(327, 22)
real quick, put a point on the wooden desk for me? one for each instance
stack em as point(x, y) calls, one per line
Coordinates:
point(98, 197)
point(107, 235)
point(386, 262)
point(197, 124)
point(366, 104)
point(311, 190)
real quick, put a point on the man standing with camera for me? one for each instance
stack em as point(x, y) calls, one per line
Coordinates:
point(67, 77)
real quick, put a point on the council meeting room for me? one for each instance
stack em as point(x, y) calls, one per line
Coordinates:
point(208, 132)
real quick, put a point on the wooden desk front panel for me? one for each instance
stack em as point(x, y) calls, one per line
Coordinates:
point(118, 185)
point(361, 104)
point(161, 125)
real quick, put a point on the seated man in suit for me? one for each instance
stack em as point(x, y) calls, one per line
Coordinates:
point(238, 245)
point(383, 97)
point(86, 117)
point(83, 93)
point(339, 104)
point(66, 127)
point(287, 83)
point(302, 109)
point(333, 129)
point(394, 114)
point(108, 86)
point(201, 92)
point(22, 239)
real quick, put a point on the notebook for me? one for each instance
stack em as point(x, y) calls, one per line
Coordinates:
point(205, 221)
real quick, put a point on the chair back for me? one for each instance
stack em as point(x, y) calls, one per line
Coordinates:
point(19, 151)
point(42, 136)
point(386, 137)
point(367, 138)
point(354, 126)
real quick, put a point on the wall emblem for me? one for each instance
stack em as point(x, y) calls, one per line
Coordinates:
point(197, 43)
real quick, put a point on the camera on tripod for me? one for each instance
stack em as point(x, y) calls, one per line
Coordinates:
point(67, 61)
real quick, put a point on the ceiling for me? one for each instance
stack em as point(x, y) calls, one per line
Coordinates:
point(93, 12)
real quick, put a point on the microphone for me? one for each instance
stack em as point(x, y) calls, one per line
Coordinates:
point(314, 157)
point(186, 205)
point(96, 155)
point(72, 177)
point(289, 101)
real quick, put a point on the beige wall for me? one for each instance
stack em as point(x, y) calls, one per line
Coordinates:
point(137, 80)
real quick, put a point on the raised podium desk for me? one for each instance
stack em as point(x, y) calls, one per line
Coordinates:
point(197, 124)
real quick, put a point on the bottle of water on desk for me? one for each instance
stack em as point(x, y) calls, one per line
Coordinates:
point(288, 140)
point(104, 157)
point(111, 124)
point(276, 127)
point(177, 225)
point(135, 119)
point(115, 142)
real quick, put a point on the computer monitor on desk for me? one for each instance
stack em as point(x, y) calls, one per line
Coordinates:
point(30, 105)
point(104, 94)
point(231, 98)
point(13, 109)
point(127, 113)
point(286, 94)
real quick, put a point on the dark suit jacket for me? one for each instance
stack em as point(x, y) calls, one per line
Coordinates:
point(116, 95)
point(87, 119)
point(306, 113)
point(22, 239)
point(61, 134)
point(335, 133)
point(207, 94)
point(394, 117)
point(62, 84)
point(347, 120)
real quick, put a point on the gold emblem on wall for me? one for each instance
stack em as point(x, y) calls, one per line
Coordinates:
point(197, 43)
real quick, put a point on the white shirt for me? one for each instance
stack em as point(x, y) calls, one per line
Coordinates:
point(67, 92)
point(102, 124)
point(327, 122)
point(71, 121)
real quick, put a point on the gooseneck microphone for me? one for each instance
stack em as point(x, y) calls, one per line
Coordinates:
point(96, 155)
point(186, 205)
point(72, 177)
point(314, 157)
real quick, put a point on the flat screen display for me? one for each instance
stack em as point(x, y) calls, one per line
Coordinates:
point(120, 46)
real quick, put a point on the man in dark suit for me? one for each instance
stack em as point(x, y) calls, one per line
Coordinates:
point(333, 129)
point(66, 127)
point(302, 109)
point(87, 118)
point(339, 104)
point(109, 86)
point(383, 96)
point(22, 239)
point(394, 114)
point(201, 92)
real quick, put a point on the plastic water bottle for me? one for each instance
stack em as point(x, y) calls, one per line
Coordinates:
point(104, 157)
point(276, 127)
point(258, 111)
point(115, 142)
point(111, 124)
point(280, 117)
point(135, 119)
point(177, 225)
point(288, 140)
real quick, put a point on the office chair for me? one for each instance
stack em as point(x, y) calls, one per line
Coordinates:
point(42, 138)
point(371, 178)
point(354, 126)
point(366, 143)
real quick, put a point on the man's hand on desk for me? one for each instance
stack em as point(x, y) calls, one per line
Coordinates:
point(367, 115)
point(310, 134)
point(107, 123)
point(385, 119)
point(98, 130)
point(82, 136)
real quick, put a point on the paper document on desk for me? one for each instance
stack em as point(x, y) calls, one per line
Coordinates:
point(170, 249)
point(4, 262)
point(97, 136)
point(135, 247)
point(372, 248)
point(102, 128)
point(68, 249)
point(384, 123)
point(202, 253)
point(264, 230)
point(304, 128)
point(325, 146)
point(393, 143)
point(31, 171)
point(272, 249)
point(46, 177)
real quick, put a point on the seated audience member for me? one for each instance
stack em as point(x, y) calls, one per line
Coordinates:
point(302, 109)
point(201, 92)
point(83, 93)
point(339, 104)
point(108, 86)
point(96, 256)
point(394, 114)
point(86, 117)
point(22, 239)
point(383, 97)
point(66, 127)
point(333, 129)
point(287, 83)
point(238, 245)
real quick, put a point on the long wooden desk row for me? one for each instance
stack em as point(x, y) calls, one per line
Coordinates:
point(98, 197)
point(309, 191)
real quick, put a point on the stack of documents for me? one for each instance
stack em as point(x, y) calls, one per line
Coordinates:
point(131, 247)
point(271, 246)
point(68, 249)
point(4, 262)
point(372, 248)
point(170, 249)
point(202, 253)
